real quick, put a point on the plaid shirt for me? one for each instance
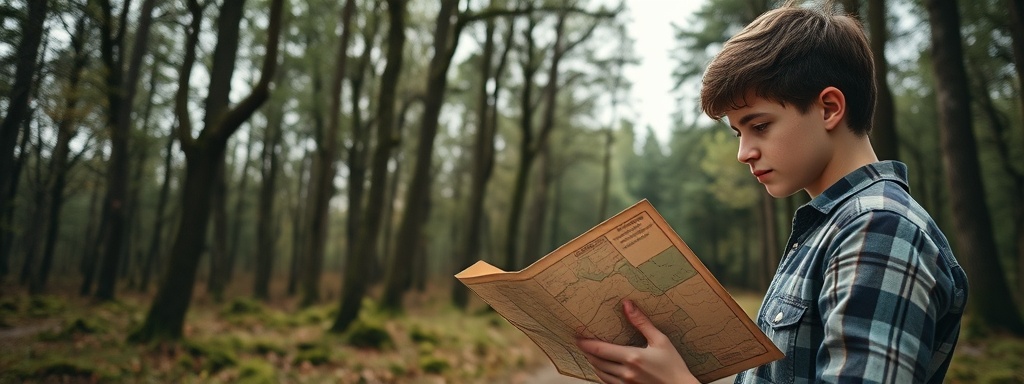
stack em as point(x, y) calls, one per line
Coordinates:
point(868, 291)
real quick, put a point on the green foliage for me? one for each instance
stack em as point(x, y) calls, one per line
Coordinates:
point(312, 353)
point(368, 334)
point(42, 306)
point(79, 326)
point(60, 369)
point(256, 372)
point(434, 364)
point(214, 354)
point(422, 336)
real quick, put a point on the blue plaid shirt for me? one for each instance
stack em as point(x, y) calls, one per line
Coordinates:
point(868, 291)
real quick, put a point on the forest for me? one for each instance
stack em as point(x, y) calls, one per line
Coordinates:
point(281, 191)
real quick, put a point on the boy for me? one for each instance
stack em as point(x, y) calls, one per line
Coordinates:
point(868, 290)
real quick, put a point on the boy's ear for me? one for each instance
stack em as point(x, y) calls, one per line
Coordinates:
point(833, 104)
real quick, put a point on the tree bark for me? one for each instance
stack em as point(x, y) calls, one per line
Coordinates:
point(120, 92)
point(166, 316)
point(1016, 10)
point(446, 39)
point(325, 166)
point(266, 227)
point(66, 131)
point(17, 112)
point(483, 154)
point(883, 130)
point(353, 285)
point(960, 158)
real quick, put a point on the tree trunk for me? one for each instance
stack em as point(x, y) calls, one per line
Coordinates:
point(357, 151)
point(324, 169)
point(166, 316)
point(66, 131)
point(353, 284)
point(973, 224)
point(266, 227)
point(153, 255)
point(239, 218)
point(120, 92)
point(218, 253)
point(537, 214)
point(446, 39)
point(883, 130)
point(483, 155)
point(298, 227)
point(1016, 10)
point(17, 112)
point(529, 66)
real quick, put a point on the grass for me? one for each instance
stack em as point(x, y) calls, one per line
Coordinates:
point(68, 339)
point(58, 338)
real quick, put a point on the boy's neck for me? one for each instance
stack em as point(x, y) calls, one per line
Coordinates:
point(850, 152)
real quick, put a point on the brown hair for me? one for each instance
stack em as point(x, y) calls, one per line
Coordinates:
point(789, 55)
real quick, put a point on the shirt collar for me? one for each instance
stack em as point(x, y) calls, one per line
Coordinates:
point(858, 180)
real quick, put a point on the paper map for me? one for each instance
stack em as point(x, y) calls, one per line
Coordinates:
point(577, 291)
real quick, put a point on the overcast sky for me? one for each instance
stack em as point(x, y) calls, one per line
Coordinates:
point(650, 27)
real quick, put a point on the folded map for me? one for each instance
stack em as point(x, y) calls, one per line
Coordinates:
point(577, 290)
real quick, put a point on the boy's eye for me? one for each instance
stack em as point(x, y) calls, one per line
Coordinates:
point(760, 127)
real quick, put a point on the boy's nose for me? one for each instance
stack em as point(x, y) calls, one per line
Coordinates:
point(747, 152)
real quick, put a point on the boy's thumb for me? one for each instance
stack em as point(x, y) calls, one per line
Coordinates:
point(640, 321)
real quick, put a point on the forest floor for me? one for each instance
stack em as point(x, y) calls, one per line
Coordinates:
point(65, 338)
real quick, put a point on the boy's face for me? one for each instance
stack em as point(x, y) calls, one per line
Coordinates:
point(786, 150)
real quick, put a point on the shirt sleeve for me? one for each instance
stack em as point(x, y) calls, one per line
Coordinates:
point(876, 302)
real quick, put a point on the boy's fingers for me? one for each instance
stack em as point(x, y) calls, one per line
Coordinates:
point(641, 322)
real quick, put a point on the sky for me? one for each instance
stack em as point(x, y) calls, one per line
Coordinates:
point(650, 27)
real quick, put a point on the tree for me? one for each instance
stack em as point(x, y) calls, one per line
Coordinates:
point(883, 128)
point(960, 159)
point(483, 153)
point(354, 282)
point(120, 93)
point(17, 113)
point(1016, 11)
point(166, 315)
point(60, 160)
point(446, 38)
point(325, 159)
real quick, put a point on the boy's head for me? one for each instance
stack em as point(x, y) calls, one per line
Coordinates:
point(789, 55)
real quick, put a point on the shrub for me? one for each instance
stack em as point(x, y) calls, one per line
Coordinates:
point(365, 334)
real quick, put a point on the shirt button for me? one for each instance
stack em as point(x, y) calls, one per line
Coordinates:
point(795, 246)
point(778, 317)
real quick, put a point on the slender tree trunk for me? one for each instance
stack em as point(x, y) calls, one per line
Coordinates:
point(357, 151)
point(121, 88)
point(17, 112)
point(354, 285)
point(446, 38)
point(153, 255)
point(977, 246)
point(240, 207)
point(883, 130)
point(325, 168)
point(483, 154)
point(266, 228)
point(298, 226)
point(59, 160)
point(537, 214)
point(529, 67)
point(166, 316)
point(1016, 10)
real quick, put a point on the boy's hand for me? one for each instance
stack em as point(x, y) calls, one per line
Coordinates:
point(659, 362)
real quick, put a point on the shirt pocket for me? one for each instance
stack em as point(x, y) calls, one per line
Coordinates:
point(782, 318)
